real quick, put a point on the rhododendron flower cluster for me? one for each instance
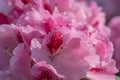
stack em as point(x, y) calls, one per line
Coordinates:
point(57, 40)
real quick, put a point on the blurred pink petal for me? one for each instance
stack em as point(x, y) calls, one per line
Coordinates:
point(115, 38)
point(19, 65)
point(8, 41)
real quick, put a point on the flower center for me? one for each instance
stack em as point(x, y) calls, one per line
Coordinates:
point(55, 42)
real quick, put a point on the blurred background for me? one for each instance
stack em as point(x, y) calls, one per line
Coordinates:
point(111, 7)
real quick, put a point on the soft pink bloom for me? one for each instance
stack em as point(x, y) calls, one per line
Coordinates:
point(56, 40)
point(66, 50)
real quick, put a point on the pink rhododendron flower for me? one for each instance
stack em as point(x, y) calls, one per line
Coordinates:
point(62, 50)
point(57, 40)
